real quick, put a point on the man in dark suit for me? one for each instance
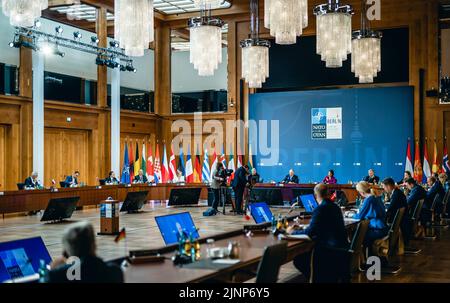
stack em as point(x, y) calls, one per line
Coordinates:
point(239, 183)
point(72, 181)
point(254, 178)
point(416, 193)
point(327, 230)
point(79, 242)
point(371, 177)
point(140, 178)
point(397, 201)
point(111, 178)
point(291, 178)
point(435, 188)
point(32, 181)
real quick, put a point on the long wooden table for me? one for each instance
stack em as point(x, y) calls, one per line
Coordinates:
point(251, 251)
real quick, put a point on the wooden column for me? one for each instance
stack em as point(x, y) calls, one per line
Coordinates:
point(102, 77)
point(26, 73)
point(163, 88)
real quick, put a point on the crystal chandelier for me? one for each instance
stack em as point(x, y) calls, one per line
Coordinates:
point(255, 53)
point(366, 51)
point(334, 32)
point(133, 25)
point(23, 12)
point(286, 19)
point(207, 3)
point(205, 43)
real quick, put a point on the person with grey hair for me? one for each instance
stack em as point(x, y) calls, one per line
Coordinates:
point(291, 178)
point(79, 244)
point(327, 230)
point(32, 181)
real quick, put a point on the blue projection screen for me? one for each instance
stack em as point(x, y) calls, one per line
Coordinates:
point(347, 130)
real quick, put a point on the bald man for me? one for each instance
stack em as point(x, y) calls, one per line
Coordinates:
point(291, 178)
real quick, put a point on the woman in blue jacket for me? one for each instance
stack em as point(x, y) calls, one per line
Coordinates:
point(373, 209)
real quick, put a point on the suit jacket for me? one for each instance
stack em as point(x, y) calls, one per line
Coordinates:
point(327, 227)
point(436, 189)
point(93, 270)
point(112, 180)
point(374, 210)
point(139, 179)
point(240, 178)
point(373, 180)
point(29, 183)
point(293, 179)
point(328, 180)
point(417, 193)
point(254, 178)
point(71, 180)
point(398, 200)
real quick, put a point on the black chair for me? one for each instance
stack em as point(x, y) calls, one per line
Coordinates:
point(392, 238)
point(356, 250)
point(414, 217)
point(445, 216)
point(63, 184)
point(20, 186)
point(440, 221)
point(430, 232)
point(102, 182)
point(269, 266)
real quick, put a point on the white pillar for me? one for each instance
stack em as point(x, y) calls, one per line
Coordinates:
point(115, 121)
point(38, 113)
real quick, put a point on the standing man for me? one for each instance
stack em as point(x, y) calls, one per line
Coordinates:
point(239, 183)
point(72, 181)
point(291, 178)
point(32, 181)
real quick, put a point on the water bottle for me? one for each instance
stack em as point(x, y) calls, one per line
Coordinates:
point(42, 271)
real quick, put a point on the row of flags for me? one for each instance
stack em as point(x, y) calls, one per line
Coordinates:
point(193, 170)
point(421, 173)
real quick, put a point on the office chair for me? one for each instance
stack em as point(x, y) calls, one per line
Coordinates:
point(20, 186)
point(62, 184)
point(269, 266)
point(414, 222)
point(392, 238)
point(356, 246)
point(430, 232)
point(440, 221)
point(102, 182)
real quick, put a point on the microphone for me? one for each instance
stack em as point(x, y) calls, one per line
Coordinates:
point(292, 207)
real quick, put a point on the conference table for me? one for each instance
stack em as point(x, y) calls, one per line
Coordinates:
point(251, 252)
point(32, 200)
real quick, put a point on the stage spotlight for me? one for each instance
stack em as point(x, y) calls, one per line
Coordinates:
point(77, 35)
point(37, 24)
point(94, 40)
point(123, 68)
point(130, 68)
point(59, 30)
point(114, 44)
point(111, 63)
point(100, 61)
point(14, 44)
point(59, 53)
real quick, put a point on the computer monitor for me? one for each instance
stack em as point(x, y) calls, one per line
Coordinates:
point(21, 258)
point(134, 201)
point(60, 209)
point(309, 202)
point(171, 226)
point(184, 196)
point(261, 212)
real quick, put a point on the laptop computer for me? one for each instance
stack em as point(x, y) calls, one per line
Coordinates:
point(134, 201)
point(59, 209)
point(261, 212)
point(171, 226)
point(21, 258)
point(309, 202)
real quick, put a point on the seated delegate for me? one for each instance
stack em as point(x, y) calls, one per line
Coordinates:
point(330, 179)
point(291, 178)
point(140, 178)
point(72, 181)
point(371, 177)
point(111, 178)
point(32, 182)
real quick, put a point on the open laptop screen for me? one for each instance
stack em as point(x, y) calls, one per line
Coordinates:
point(261, 212)
point(309, 202)
point(171, 227)
point(21, 258)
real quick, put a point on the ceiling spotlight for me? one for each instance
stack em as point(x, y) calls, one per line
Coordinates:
point(15, 44)
point(100, 61)
point(123, 68)
point(130, 68)
point(77, 35)
point(95, 40)
point(59, 30)
point(37, 24)
point(114, 44)
point(46, 49)
point(59, 53)
point(112, 63)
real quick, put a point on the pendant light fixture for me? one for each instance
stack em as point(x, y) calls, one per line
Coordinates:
point(366, 50)
point(23, 12)
point(205, 43)
point(255, 52)
point(286, 19)
point(133, 25)
point(207, 3)
point(334, 32)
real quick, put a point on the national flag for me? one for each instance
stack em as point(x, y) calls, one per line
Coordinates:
point(181, 162)
point(165, 166)
point(121, 236)
point(445, 164)
point(131, 157)
point(150, 169)
point(206, 172)
point(417, 164)
point(435, 168)
point(214, 163)
point(125, 176)
point(143, 160)
point(189, 170)
point(231, 165)
point(223, 158)
point(157, 167)
point(137, 161)
point(250, 158)
point(172, 165)
point(408, 163)
point(197, 168)
point(426, 164)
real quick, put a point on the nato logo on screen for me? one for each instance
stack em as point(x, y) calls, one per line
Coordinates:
point(326, 123)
